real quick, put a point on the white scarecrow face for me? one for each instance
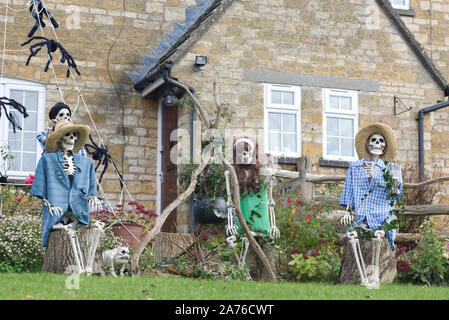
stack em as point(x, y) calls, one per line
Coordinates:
point(244, 155)
point(68, 141)
point(376, 144)
point(64, 113)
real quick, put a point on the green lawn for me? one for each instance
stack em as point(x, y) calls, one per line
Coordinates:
point(51, 286)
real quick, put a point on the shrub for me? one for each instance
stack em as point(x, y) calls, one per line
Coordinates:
point(427, 263)
point(20, 244)
point(308, 240)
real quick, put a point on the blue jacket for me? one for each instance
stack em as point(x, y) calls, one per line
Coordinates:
point(52, 183)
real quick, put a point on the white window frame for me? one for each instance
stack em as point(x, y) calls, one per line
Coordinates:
point(344, 114)
point(406, 6)
point(6, 85)
point(295, 108)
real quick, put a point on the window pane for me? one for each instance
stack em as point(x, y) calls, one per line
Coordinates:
point(289, 123)
point(334, 102)
point(15, 140)
point(333, 146)
point(288, 98)
point(29, 162)
point(274, 142)
point(29, 142)
point(289, 142)
point(16, 95)
point(274, 121)
point(30, 122)
point(345, 103)
point(347, 128)
point(347, 147)
point(398, 2)
point(14, 164)
point(276, 97)
point(31, 100)
point(332, 127)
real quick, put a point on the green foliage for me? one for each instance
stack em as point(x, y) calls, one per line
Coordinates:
point(427, 263)
point(20, 244)
point(307, 235)
point(213, 182)
point(17, 199)
point(5, 155)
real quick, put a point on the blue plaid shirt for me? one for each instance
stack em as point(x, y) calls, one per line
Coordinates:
point(369, 199)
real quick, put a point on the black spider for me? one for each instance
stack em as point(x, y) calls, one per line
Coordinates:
point(103, 157)
point(39, 15)
point(52, 46)
point(14, 104)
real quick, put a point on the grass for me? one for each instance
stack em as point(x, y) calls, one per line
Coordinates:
point(45, 286)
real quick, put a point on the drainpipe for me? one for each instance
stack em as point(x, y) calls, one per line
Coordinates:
point(166, 76)
point(421, 133)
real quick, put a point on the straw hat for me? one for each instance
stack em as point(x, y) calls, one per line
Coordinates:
point(53, 144)
point(363, 135)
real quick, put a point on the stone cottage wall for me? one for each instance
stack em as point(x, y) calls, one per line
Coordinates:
point(339, 40)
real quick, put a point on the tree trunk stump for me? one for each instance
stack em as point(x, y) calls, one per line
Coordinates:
point(59, 253)
point(349, 272)
point(257, 270)
point(169, 245)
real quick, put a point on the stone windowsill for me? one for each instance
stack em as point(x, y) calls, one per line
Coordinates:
point(408, 13)
point(333, 163)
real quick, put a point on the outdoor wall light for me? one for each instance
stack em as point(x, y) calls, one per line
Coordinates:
point(200, 62)
point(170, 98)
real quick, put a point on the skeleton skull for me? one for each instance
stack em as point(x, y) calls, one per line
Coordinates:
point(68, 140)
point(64, 113)
point(244, 156)
point(376, 144)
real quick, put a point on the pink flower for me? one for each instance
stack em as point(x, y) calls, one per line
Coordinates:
point(29, 180)
point(195, 232)
point(399, 251)
point(19, 198)
point(289, 200)
point(402, 266)
point(305, 257)
point(133, 203)
point(205, 238)
point(214, 232)
point(314, 254)
point(307, 218)
point(295, 251)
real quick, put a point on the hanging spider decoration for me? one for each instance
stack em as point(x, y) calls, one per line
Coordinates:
point(52, 46)
point(103, 157)
point(10, 116)
point(38, 15)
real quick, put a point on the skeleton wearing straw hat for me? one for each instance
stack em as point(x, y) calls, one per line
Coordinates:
point(66, 183)
point(366, 193)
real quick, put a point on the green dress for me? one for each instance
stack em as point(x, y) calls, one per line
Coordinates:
point(254, 207)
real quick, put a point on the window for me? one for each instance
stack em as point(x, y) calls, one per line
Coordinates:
point(400, 4)
point(23, 143)
point(283, 120)
point(340, 124)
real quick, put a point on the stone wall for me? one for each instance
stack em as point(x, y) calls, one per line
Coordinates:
point(338, 39)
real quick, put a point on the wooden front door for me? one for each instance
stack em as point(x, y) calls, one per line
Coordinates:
point(169, 169)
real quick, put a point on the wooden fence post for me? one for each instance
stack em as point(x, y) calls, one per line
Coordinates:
point(305, 189)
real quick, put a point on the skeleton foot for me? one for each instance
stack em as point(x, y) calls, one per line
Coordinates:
point(274, 232)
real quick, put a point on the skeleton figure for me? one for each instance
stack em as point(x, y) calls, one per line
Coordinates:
point(375, 148)
point(116, 258)
point(68, 220)
point(253, 196)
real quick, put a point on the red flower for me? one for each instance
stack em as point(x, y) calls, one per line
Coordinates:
point(133, 203)
point(305, 257)
point(19, 198)
point(399, 251)
point(205, 238)
point(314, 254)
point(195, 232)
point(29, 180)
point(214, 232)
point(295, 251)
point(413, 261)
point(402, 266)
point(118, 205)
point(307, 218)
point(289, 200)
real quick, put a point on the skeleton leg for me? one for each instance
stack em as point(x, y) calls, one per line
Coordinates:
point(374, 277)
point(72, 237)
point(358, 256)
point(274, 231)
point(98, 230)
point(231, 229)
point(112, 268)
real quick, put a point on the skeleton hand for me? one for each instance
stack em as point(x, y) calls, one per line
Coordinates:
point(347, 219)
point(54, 211)
point(232, 241)
point(274, 232)
point(51, 124)
point(94, 203)
point(231, 230)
